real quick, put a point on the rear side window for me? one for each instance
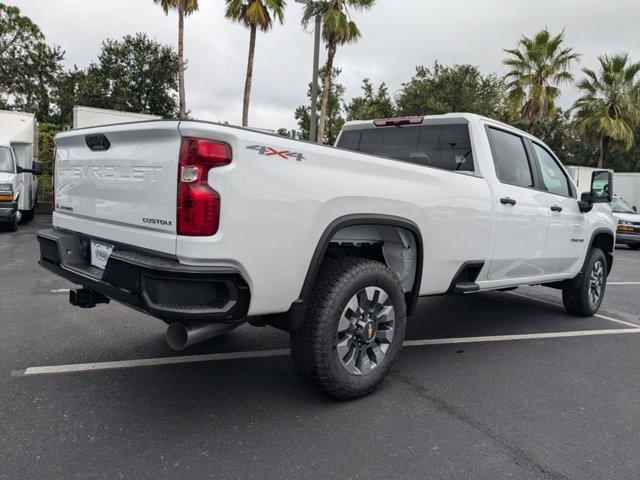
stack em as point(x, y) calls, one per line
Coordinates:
point(510, 158)
point(350, 139)
point(440, 146)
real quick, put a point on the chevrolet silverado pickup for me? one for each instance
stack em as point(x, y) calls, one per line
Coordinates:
point(208, 226)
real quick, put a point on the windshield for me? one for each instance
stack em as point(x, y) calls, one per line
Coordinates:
point(620, 206)
point(6, 160)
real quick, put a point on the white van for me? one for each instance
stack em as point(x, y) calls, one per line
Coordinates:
point(18, 168)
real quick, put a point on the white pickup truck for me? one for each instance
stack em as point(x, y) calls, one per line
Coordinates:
point(208, 226)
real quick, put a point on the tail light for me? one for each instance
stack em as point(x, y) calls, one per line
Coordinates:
point(198, 204)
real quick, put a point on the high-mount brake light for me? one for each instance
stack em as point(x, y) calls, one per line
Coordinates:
point(398, 122)
point(198, 205)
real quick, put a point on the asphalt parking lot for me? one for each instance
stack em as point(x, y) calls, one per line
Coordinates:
point(495, 385)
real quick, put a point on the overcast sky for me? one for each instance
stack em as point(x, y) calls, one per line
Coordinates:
point(397, 35)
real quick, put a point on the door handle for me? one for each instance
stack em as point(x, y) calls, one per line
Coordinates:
point(556, 208)
point(507, 201)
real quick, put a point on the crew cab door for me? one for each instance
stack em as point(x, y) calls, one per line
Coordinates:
point(568, 227)
point(522, 212)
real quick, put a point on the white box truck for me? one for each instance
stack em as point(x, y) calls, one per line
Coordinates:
point(18, 167)
point(627, 186)
point(84, 117)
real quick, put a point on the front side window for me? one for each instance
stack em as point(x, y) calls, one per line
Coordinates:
point(555, 181)
point(441, 146)
point(6, 160)
point(510, 158)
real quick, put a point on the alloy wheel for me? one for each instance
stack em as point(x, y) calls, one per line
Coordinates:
point(365, 331)
point(596, 284)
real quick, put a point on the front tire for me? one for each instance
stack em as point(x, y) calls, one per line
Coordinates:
point(583, 296)
point(11, 226)
point(634, 246)
point(353, 329)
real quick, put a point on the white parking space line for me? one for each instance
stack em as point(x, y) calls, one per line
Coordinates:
point(556, 304)
point(60, 290)
point(524, 336)
point(86, 367)
point(148, 362)
point(623, 283)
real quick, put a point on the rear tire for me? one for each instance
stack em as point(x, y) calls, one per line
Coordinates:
point(353, 329)
point(583, 296)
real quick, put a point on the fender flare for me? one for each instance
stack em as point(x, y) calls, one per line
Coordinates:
point(362, 219)
point(608, 255)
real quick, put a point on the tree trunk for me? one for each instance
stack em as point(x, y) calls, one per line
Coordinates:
point(181, 94)
point(532, 127)
point(249, 79)
point(604, 151)
point(326, 91)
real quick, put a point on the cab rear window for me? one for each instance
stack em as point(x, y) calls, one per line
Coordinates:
point(440, 146)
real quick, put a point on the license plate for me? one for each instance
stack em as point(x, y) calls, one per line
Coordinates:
point(100, 254)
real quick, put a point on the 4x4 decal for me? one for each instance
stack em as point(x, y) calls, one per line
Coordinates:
point(272, 152)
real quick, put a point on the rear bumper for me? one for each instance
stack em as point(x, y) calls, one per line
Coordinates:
point(8, 211)
point(159, 286)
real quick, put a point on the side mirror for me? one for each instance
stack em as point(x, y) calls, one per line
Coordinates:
point(602, 187)
point(37, 169)
point(585, 204)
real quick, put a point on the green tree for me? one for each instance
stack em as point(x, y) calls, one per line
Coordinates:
point(46, 146)
point(135, 74)
point(39, 71)
point(18, 34)
point(184, 8)
point(65, 95)
point(253, 14)
point(538, 66)
point(609, 108)
point(372, 104)
point(334, 117)
point(28, 66)
point(460, 88)
point(337, 29)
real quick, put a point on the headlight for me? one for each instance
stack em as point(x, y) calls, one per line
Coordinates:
point(6, 192)
point(623, 222)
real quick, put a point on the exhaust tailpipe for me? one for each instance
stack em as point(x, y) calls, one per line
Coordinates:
point(181, 335)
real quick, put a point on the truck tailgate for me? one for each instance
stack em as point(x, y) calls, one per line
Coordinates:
point(120, 182)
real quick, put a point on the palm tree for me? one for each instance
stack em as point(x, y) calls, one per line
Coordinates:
point(253, 14)
point(609, 109)
point(337, 29)
point(184, 7)
point(538, 66)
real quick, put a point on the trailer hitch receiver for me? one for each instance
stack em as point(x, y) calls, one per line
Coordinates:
point(86, 298)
